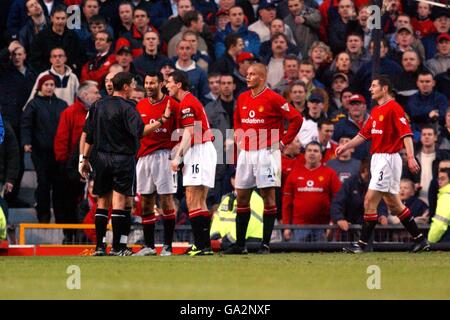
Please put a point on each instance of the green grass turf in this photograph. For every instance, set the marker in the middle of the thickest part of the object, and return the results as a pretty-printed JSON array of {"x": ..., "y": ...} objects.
[{"x": 275, "y": 276}]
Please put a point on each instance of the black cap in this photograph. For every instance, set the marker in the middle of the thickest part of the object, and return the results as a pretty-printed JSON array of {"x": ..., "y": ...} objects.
[
  {"x": 123, "y": 49},
  {"x": 316, "y": 97}
]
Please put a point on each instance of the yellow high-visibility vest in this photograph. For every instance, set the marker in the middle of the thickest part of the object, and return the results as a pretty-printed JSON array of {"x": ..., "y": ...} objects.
[
  {"x": 224, "y": 220},
  {"x": 441, "y": 219}
]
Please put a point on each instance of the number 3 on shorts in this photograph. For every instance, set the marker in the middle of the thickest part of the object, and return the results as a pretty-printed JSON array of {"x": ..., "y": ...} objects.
[{"x": 380, "y": 178}]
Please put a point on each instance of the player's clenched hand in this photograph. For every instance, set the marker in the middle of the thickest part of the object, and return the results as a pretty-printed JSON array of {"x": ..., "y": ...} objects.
[{"x": 413, "y": 165}]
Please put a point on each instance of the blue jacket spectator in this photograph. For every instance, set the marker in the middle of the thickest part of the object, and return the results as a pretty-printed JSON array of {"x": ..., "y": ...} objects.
[
  {"x": 15, "y": 85},
  {"x": 160, "y": 13},
  {"x": 420, "y": 105},
  {"x": 251, "y": 40},
  {"x": 18, "y": 17},
  {"x": 348, "y": 204},
  {"x": 346, "y": 127}
]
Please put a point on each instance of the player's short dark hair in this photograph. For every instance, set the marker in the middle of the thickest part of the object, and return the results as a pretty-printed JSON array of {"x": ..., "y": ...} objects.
[
  {"x": 384, "y": 81},
  {"x": 181, "y": 77},
  {"x": 231, "y": 40},
  {"x": 126, "y": 3},
  {"x": 121, "y": 79},
  {"x": 156, "y": 74},
  {"x": 189, "y": 17},
  {"x": 58, "y": 8},
  {"x": 324, "y": 122},
  {"x": 430, "y": 127}
]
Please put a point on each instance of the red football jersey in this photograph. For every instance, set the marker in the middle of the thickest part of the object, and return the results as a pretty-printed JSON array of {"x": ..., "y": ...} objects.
[
  {"x": 258, "y": 115},
  {"x": 161, "y": 137},
  {"x": 307, "y": 195},
  {"x": 191, "y": 113},
  {"x": 386, "y": 127},
  {"x": 288, "y": 165}
]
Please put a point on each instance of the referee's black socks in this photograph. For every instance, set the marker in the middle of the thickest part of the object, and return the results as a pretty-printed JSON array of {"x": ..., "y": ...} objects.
[
  {"x": 101, "y": 222},
  {"x": 121, "y": 224}
]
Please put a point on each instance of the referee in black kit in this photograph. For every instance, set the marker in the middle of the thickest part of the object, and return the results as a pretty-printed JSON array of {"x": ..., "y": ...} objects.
[{"x": 115, "y": 128}]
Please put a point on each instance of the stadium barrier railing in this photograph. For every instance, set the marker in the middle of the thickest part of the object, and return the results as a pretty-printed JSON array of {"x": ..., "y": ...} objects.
[{"x": 386, "y": 238}]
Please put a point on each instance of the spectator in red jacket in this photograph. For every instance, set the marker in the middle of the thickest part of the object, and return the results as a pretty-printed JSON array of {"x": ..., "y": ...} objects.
[
  {"x": 97, "y": 68},
  {"x": 66, "y": 149},
  {"x": 307, "y": 196}
]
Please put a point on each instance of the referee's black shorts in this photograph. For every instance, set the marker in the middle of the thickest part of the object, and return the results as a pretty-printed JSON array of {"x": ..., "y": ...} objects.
[{"x": 114, "y": 172}]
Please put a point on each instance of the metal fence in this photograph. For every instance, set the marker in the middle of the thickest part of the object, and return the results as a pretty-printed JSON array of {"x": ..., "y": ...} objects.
[{"x": 313, "y": 237}]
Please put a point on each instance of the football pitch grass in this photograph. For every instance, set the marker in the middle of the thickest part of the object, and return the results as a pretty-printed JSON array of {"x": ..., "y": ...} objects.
[{"x": 255, "y": 277}]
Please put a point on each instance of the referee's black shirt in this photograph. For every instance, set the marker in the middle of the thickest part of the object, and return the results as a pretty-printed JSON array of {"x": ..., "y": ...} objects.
[{"x": 114, "y": 126}]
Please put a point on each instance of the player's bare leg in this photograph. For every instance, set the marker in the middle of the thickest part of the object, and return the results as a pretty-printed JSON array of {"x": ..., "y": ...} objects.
[
  {"x": 121, "y": 221},
  {"x": 101, "y": 223},
  {"x": 371, "y": 201},
  {"x": 199, "y": 217},
  {"x": 396, "y": 207},
  {"x": 168, "y": 216},
  {"x": 148, "y": 225}
]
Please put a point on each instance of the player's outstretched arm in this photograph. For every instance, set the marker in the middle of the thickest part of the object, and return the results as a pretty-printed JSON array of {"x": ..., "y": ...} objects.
[
  {"x": 356, "y": 141},
  {"x": 409, "y": 146}
]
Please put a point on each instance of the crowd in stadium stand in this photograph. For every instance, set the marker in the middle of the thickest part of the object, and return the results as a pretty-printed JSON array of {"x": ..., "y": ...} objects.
[{"x": 319, "y": 57}]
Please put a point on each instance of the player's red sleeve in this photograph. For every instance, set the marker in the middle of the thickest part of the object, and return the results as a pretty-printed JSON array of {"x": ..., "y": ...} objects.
[
  {"x": 288, "y": 199},
  {"x": 187, "y": 117},
  {"x": 62, "y": 138},
  {"x": 294, "y": 117},
  {"x": 401, "y": 122},
  {"x": 366, "y": 131}
]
